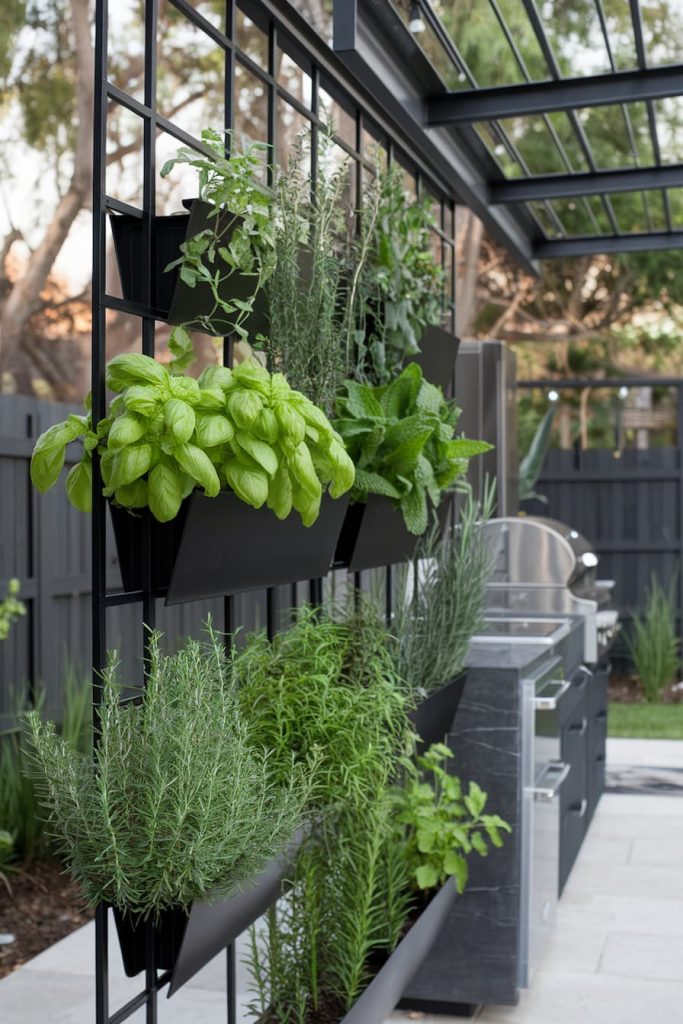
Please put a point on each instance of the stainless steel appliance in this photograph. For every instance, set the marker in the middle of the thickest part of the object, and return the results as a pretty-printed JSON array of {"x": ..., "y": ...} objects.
[
  {"x": 485, "y": 391},
  {"x": 543, "y": 567}
]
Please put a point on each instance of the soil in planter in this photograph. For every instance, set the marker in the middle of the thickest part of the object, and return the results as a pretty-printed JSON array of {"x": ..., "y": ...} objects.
[
  {"x": 44, "y": 907},
  {"x": 627, "y": 689}
]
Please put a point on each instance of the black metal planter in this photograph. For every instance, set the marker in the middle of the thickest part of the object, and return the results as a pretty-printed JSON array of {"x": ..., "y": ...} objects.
[
  {"x": 375, "y": 534},
  {"x": 184, "y": 943},
  {"x": 437, "y": 355},
  {"x": 388, "y": 985},
  {"x": 171, "y": 298},
  {"x": 433, "y": 718},
  {"x": 219, "y": 546}
]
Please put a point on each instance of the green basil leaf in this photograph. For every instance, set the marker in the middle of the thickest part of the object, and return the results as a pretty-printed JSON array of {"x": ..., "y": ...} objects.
[
  {"x": 180, "y": 419},
  {"x": 165, "y": 492},
  {"x": 213, "y": 429},
  {"x": 343, "y": 470},
  {"x": 259, "y": 451},
  {"x": 306, "y": 505},
  {"x": 79, "y": 485},
  {"x": 198, "y": 465},
  {"x": 132, "y": 495},
  {"x": 182, "y": 350},
  {"x": 185, "y": 388},
  {"x": 131, "y": 368},
  {"x": 216, "y": 377},
  {"x": 302, "y": 469},
  {"x": 280, "y": 493},
  {"x": 266, "y": 427},
  {"x": 211, "y": 399},
  {"x": 250, "y": 485},
  {"x": 126, "y": 429},
  {"x": 244, "y": 407},
  {"x": 49, "y": 453},
  {"x": 292, "y": 423},
  {"x": 129, "y": 464},
  {"x": 144, "y": 399},
  {"x": 251, "y": 374}
]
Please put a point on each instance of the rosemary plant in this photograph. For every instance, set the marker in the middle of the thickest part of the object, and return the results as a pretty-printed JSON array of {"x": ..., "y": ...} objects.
[
  {"x": 444, "y": 607},
  {"x": 177, "y": 804}
]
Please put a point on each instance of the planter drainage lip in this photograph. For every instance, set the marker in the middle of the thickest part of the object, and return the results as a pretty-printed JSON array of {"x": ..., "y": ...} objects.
[
  {"x": 386, "y": 988},
  {"x": 437, "y": 356},
  {"x": 433, "y": 718},
  {"x": 219, "y": 546},
  {"x": 187, "y": 942},
  {"x": 374, "y": 534}
]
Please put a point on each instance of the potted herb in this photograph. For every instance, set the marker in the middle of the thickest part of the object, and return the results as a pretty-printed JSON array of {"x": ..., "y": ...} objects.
[
  {"x": 258, "y": 451},
  {"x": 208, "y": 265},
  {"x": 178, "y": 811},
  {"x": 441, "y": 607},
  {"x": 401, "y": 439}
]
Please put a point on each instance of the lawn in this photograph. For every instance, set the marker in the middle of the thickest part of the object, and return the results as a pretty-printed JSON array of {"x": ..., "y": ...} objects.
[{"x": 648, "y": 721}]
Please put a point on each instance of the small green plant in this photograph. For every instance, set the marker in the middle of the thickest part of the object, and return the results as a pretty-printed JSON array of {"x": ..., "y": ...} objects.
[
  {"x": 400, "y": 286},
  {"x": 531, "y": 465},
  {"x": 11, "y": 608},
  {"x": 401, "y": 439},
  {"x": 178, "y": 804},
  {"x": 444, "y": 606},
  {"x": 653, "y": 643},
  {"x": 440, "y": 823},
  {"x": 167, "y": 434},
  {"x": 239, "y": 240}
]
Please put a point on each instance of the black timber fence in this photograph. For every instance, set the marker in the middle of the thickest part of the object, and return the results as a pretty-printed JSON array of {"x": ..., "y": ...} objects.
[
  {"x": 45, "y": 543},
  {"x": 628, "y": 502}
]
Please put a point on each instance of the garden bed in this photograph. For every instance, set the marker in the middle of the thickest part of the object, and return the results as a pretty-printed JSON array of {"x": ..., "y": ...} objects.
[{"x": 45, "y": 906}]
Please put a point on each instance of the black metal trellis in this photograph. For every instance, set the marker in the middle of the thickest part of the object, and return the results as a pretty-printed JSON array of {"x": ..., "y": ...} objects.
[{"x": 285, "y": 31}]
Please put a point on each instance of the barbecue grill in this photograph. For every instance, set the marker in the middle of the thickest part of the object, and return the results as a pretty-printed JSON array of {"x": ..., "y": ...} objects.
[{"x": 543, "y": 567}]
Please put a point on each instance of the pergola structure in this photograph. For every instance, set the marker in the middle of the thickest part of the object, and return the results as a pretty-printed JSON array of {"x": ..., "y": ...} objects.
[{"x": 478, "y": 133}]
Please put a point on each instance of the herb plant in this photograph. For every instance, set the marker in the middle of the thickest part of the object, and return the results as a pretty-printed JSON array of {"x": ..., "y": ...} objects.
[
  {"x": 401, "y": 439},
  {"x": 400, "y": 286},
  {"x": 11, "y": 608},
  {"x": 444, "y": 606},
  {"x": 167, "y": 434},
  {"x": 238, "y": 240},
  {"x": 653, "y": 642},
  {"x": 440, "y": 823},
  {"x": 179, "y": 804}
]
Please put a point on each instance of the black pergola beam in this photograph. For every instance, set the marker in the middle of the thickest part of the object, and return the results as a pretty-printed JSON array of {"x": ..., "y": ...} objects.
[
  {"x": 572, "y": 186},
  {"x": 564, "y": 94},
  {"x": 562, "y": 248}
]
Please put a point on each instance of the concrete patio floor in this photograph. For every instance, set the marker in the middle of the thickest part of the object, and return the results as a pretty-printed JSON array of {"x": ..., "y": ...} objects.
[{"x": 616, "y": 956}]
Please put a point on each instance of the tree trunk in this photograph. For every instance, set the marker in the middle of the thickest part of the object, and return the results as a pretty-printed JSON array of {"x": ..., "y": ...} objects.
[
  {"x": 469, "y": 232},
  {"x": 24, "y": 297}
]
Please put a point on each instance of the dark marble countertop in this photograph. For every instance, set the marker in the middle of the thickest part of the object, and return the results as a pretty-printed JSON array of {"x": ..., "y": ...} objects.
[{"x": 527, "y": 657}]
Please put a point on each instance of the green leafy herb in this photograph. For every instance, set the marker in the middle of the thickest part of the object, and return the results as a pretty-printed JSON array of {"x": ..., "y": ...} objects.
[
  {"x": 244, "y": 428},
  {"x": 440, "y": 823},
  {"x": 401, "y": 439}
]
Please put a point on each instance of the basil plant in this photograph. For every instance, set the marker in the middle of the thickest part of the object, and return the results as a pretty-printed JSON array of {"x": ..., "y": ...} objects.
[{"x": 244, "y": 429}]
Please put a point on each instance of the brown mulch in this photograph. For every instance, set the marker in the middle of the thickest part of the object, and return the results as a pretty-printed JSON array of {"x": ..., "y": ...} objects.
[
  {"x": 626, "y": 689},
  {"x": 44, "y": 907}
]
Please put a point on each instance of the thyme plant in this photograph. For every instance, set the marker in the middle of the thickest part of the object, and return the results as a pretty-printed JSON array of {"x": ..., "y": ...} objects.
[
  {"x": 444, "y": 605},
  {"x": 178, "y": 803}
]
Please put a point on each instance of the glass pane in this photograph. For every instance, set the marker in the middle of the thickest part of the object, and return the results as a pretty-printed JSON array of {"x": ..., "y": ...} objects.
[
  {"x": 597, "y": 205},
  {"x": 669, "y": 114},
  {"x": 569, "y": 140},
  {"x": 620, "y": 33},
  {"x": 212, "y": 10},
  {"x": 126, "y": 47},
  {"x": 655, "y": 203},
  {"x": 492, "y": 137},
  {"x": 574, "y": 217},
  {"x": 540, "y": 212},
  {"x": 124, "y": 155},
  {"x": 663, "y": 31},
  {"x": 675, "y": 196},
  {"x": 481, "y": 40},
  {"x": 180, "y": 184},
  {"x": 292, "y": 128},
  {"x": 251, "y": 109},
  {"x": 575, "y": 35},
  {"x": 250, "y": 39},
  {"x": 607, "y": 132},
  {"x": 293, "y": 78},
  {"x": 191, "y": 76},
  {"x": 630, "y": 211},
  {"x": 338, "y": 118},
  {"x": 535, "y": 144}
]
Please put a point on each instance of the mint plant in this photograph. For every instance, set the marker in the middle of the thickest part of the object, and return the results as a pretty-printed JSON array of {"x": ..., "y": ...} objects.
[
  {"x": 244, "y": 429},
  {"x": 240, "y": 238},
  {"x": 439, "y": 823},
  {"x": 401, "y": 439}
]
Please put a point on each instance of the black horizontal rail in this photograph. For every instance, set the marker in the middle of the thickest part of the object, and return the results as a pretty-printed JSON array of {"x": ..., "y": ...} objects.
[
  {"x": 593, "y": 245},
  {"x": 617, "y": 382},
  {"x": 569, "y": 186}
]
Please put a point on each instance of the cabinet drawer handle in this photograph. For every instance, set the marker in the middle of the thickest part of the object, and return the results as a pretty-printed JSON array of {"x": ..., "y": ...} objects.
[
  {"x": 579, "y": 727},
  {"x": 550, "y": 703},
  {"x": 580, "y": 809},
  {"x": 599, "y": 758},
  {"x": 602, "y": 715}
]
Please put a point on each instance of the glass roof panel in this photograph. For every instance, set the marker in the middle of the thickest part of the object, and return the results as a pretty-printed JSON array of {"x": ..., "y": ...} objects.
[
  {"x": 600, "y": 213},
  {"x": 540, "y": 212},
  {"x": 492, "y": 137},
  {"x": 662, "y": 22},
  {"x": 669, "y": 114},
  {"x": 630, "y": 212},
  {"x": 477, "y": 32},
  {"x": 574, "y": 216},
  {"x": 574, "y": 32},
  {"x": 566, "y": 133},
  {"x": 675, "y": 196},
  {"x": 525, "y": 38},
  {"x": 618, "y": 136},
  {"x": 535, "y": 144},
  {"x": 657, "y": 213},
  {"x": 620, "y": 33}
]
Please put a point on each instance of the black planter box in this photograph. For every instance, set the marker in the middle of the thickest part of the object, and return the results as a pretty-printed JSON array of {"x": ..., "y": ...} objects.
[
  {"x": 171, "y": 299},
  {"x": 433, "y": 718},
  {"x": 374, "y": 534},
  {"x": 388, "y": 985},
  {"x": 437, "y": 355},
  {"x": 184, "y": 943},
  {"x": 218, "y": 546}
]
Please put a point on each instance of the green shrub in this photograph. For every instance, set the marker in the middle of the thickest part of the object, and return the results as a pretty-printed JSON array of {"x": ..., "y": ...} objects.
[
  {"x": 177, "y": 804},
  {"x": 654, "y": 644},
  {"x": 11, "y": 608},
  {"x": 401, "y": 440}
]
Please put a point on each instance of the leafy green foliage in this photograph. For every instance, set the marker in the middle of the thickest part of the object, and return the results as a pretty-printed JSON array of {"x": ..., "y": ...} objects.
[
  {"x": 439, "y": 823},
  {"x": 329, "y": 685},
  {"x": 178, "y": 804},
  {"x": 167, "y": 434},
  {"x": 11, "y": 608},
  {"x": 19, "y": 811},
  {"x": 240, "y": 239},
  {"x": 401, "y": 439},
  {"x": 444, "y": 607},
  {"x": 400, "y": 285},
  {"x": 653, "y": 641},
  {"x": 532, "y": 463}
]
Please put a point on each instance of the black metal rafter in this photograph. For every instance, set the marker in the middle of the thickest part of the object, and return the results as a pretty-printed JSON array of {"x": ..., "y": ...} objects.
[
  {"x": 562, "y": 94},
  {"x": 656, "y": 241},
  {"x": 571, "y": 186}
]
